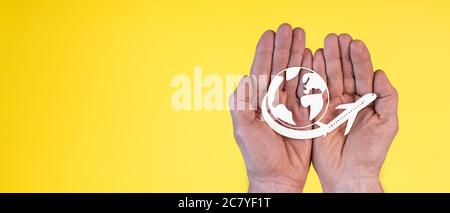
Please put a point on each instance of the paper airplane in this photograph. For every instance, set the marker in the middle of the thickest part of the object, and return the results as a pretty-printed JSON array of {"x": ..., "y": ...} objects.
[{"x": 349, "y": 113}]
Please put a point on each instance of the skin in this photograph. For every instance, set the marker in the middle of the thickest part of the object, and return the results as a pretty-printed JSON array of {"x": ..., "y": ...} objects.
[
  {"x": 352, "y": 163},
  {"x": 344, "y": 163}
]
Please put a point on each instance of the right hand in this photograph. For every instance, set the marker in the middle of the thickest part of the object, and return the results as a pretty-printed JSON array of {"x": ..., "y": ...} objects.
[{"x": 274, "y": 163}]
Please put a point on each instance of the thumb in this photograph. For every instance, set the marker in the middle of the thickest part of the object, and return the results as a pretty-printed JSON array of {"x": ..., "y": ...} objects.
[
  {"x": 387, "y": 101},
  {"x": 240, "y": 101}
]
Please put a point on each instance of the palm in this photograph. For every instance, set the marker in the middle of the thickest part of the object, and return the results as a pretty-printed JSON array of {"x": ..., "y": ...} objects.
[{"x": 274, "y": 155}]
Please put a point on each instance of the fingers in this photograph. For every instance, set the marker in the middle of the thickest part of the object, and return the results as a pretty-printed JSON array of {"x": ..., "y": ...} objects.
[
  {"x": 295, "y": 60},
  {"x": 303, "y": 113},
  {"x": 320, "y": 67},
  {"x": 307, "y": 62},
  {"x": 241, "y": 101},
  {"x": 346, "y": 63},
  {"x": 261, "y": 66},
  {"x": 333, "y": 65},
  {"x": 319, "y": 64},
  {"x": 387, "y": 100},
  {"x": 282, "y": 49},
  {"x": 362, "y": 67}
]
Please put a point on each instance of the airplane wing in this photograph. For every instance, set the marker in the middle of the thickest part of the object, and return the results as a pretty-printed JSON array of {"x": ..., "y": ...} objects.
[
  {"x": 344, "y": 106},
  {"x": 350, "y": 120}
]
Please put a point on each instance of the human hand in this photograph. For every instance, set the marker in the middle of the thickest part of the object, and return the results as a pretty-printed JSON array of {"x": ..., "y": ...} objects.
[
  {"x": 274, "y": 163},
  {"x": 352, "y": 163}
]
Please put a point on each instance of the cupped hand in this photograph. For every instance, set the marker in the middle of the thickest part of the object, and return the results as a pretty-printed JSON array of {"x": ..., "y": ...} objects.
[
  {"x": 352, "y": 163},
  {"x": 274, "y": 163}
]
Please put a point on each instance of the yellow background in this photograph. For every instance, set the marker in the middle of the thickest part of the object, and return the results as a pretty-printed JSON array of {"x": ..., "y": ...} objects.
[{"x": 85, "y": 89}]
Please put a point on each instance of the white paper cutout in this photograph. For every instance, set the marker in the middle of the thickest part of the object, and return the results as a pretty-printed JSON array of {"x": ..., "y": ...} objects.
[{"x": 311, "y": 80}]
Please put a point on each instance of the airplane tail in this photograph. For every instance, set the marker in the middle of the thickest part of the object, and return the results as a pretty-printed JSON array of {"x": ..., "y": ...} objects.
[{"x": 322, "y": 125}]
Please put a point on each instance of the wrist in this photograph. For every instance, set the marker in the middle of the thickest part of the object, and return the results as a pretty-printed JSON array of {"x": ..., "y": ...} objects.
[
  {"x": 274, "y": 186},
  {"x": 358, "y": 181},
  {"x": 372, "y": 185}
]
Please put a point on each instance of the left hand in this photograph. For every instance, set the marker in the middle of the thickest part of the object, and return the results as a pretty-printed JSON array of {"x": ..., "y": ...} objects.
[{"x": 352, "y": 163}]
